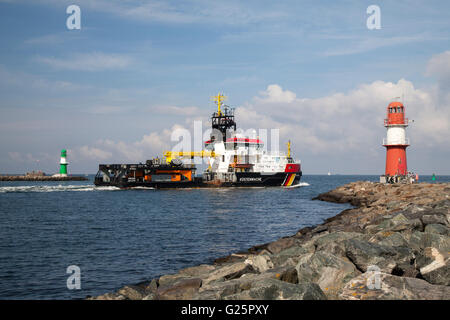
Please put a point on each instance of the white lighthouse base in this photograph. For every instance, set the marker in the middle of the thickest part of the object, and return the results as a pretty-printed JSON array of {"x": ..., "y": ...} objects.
[
  {"x": 409, "y": 178},
  {"x": 59, "y": 175}
]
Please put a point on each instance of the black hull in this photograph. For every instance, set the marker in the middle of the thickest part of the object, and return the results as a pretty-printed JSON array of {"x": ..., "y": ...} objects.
[{"x": 244, "y": 179}]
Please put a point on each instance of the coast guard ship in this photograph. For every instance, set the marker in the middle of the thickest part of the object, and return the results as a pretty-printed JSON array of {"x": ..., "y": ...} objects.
[{"x": 234, "y": 161}]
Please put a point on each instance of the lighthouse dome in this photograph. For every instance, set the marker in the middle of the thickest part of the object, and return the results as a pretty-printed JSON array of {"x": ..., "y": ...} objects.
[
  {"x": 398, "y": 105},
  {"x": 395, "y": 114}
]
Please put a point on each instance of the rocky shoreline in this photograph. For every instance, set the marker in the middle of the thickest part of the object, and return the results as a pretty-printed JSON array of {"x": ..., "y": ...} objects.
[
  {"x": 395, "y": 244},
  {"x": 42, "y": 178}
]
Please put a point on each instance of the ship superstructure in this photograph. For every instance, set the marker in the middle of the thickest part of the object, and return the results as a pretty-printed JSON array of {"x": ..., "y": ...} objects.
[{"x": 234, "y": 160}]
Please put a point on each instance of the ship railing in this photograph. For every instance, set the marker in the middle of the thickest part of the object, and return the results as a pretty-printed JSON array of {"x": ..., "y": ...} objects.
[
  {"x": 275, "y": 153},
  {"x": 226, "y": 111}
]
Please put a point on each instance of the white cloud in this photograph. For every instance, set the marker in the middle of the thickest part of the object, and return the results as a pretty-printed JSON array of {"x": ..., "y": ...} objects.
[
  {"x": 95, "y": 61},
  {"x": 149, "y": 146},
  {"x": 178, "y": 111},
  {"x": 274, "y": 93},
  {"x": 365, "y": 44},
  {"x": 31, "y": 159},
  {"x": 16, "y": 156},
  {"x": 46, "y": 39},
  {"x": 53, "y": 39},
  {"x": 339, "y": 127},
  {"x": 439, "y": 65},
  {"x": 182, "y": 12},
  {"x": 108, "y": 110},
  {"x": 347, "y": 122},
  {"x": 25, "y": 80},
  {"x": 93, "y": 153}
]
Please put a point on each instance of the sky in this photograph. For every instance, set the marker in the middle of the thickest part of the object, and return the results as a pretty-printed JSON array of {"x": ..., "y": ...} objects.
[{"x": 117, "y": 89}]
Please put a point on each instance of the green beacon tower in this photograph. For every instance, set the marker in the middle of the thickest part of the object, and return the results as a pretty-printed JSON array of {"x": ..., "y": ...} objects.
[{"x": 63, "y": 164}]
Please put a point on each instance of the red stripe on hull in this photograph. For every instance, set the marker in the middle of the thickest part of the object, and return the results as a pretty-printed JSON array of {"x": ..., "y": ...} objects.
[
  {"x": 292, "y": 167},
  {"x": 288, "y": 177}
]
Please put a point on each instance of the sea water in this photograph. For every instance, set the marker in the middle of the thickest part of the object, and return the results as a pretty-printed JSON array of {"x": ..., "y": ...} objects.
[{"x": 120, "y": 237}]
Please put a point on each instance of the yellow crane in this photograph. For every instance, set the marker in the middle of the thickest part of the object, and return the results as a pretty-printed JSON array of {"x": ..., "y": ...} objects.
[
  {"x": 202, "y": 154},
  {"x": 187, "y": 154},
  {"x": 219, "y": 100}
]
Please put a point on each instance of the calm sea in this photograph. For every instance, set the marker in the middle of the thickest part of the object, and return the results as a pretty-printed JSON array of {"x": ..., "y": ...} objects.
[{"x": 119, "y": 237}]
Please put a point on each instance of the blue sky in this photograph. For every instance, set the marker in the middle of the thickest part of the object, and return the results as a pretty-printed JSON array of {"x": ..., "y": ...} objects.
[{"x": 114, "y": 90}]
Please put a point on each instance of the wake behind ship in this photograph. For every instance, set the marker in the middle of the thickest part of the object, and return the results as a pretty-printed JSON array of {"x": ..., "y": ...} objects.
[{"x": 234, "y": 161}]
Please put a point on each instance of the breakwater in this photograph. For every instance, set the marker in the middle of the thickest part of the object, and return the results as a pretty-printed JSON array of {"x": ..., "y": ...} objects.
[
  {"x": 42, "y": 178},
  {"x": 394, "y": 244}
]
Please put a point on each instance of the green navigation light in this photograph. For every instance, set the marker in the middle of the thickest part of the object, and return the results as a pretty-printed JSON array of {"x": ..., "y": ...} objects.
[{"x": 63, "y": 163}]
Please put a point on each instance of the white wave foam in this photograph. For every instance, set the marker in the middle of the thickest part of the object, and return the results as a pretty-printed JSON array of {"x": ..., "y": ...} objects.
[
  {"x": 79, "y": 188},
  {"x": 143, "y": 188},
  {"x": 301, "y": 184},
  {"x": 56, "y": 188}
]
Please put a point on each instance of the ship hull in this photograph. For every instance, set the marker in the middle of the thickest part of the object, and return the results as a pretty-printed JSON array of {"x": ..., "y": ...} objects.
[{"x": 244, "y": 179}]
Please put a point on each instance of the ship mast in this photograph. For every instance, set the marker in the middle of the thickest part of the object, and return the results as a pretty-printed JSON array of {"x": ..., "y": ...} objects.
[
  {"x": 289, "y": 148},
  {"x": 222, "y": 120},
  {"x": 219, "y": 99}
]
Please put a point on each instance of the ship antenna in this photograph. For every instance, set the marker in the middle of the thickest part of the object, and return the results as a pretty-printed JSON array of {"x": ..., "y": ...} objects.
[
  {"x": 289, "y": 148},
  {"x": 219, "y": 99}
]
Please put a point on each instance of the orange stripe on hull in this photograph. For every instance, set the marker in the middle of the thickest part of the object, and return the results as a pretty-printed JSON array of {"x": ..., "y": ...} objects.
[{"x": 289, "y": 180}]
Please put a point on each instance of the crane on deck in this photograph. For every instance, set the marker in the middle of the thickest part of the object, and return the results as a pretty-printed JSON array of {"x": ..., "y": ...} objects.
[{"x": 188, "y": 154}]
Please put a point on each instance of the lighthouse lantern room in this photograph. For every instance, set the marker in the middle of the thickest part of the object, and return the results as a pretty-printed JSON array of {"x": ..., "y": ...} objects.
[{"x": 396, "y": 144}]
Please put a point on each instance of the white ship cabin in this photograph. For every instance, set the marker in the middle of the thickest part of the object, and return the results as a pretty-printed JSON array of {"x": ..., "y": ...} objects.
[{"x": 243, "y": 154}]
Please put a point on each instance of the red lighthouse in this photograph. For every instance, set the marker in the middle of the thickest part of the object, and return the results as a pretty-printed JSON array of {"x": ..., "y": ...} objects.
[{"x": 396, "y": 142}]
